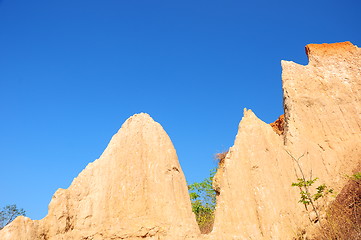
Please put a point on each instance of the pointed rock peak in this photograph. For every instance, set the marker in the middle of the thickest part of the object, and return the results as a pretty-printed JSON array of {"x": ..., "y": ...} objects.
[
  {"x": 140, "y": 118},
  {"x": 249, "y": 117},
  {"x": 141, "y": 123},
  {"x": 250, "y": 122},
  {"x": 247, "y": 112}
]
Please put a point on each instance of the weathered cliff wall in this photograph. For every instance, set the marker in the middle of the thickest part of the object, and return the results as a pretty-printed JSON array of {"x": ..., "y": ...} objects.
[
  {"x": 322, "y": 104},
  {"x": 136, "y": 190},
  {"x": 322, "y": 124}
]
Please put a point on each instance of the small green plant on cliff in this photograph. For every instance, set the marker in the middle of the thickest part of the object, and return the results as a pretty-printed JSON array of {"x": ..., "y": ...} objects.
[
  {"x": 306, "y": 196},
  {"x": 355, "y": 177}
]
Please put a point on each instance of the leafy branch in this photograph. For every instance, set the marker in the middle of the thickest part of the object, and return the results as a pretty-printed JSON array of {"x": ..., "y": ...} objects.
[
  {"x": 306, "y": 197},
  {"x": 9, "y": 213}
]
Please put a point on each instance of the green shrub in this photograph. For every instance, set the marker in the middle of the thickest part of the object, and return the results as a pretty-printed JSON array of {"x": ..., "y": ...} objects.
[{"x": 203, "y": 199}]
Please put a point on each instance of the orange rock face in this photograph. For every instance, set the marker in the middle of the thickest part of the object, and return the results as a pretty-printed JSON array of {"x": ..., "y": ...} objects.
[
  {"x": 278, "y": 125},
  {"x": 319, "y": 52}
]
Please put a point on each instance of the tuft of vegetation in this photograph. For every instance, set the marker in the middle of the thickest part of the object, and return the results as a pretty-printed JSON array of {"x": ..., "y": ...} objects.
[
  {"x": 203, "y": 198},
  {"x": 9, "y": 213},
  {"x": 356, "y": 177},
  {"x": 220, "y": 157},
  {"x": 306, "y": 198}
]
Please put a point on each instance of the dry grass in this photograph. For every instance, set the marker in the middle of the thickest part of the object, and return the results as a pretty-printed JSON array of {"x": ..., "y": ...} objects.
[
  {"x": 343, "y": 220},
  {"x": 206, "y": 226},
  {"x": 220, "y": 157}
]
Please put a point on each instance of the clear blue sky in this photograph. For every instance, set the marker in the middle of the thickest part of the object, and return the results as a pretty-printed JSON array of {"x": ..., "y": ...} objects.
[{"x": 72, "y": 71}]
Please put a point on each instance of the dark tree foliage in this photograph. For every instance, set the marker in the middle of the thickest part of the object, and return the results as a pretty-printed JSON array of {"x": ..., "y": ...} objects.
[{"x": 9, "y": 213}]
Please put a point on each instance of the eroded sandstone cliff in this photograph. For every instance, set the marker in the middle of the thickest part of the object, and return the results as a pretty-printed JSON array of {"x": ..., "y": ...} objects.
[
  {"x": 321, "y": 128},
  {"x": 136, "y": 190}
]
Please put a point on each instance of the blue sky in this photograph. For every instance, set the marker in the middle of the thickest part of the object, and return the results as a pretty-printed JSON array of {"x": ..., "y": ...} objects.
[{"x": 72, "y": 71}]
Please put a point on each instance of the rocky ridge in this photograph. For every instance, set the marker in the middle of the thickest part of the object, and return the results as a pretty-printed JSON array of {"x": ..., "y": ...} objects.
[
  {"x": 137, "y": 190},
  {"x": 322, "y": 128}
]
